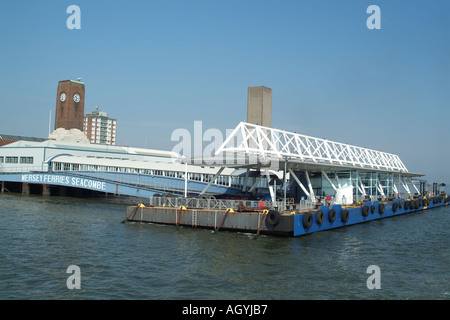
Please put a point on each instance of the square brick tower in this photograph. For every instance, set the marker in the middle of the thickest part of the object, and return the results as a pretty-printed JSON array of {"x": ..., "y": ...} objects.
[{"x": 70, "y": 105}]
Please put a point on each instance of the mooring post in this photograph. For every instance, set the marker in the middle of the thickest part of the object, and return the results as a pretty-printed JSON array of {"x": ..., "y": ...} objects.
[
  {"x": 45, "y": 190},
  {"x": 25, "y": 188}
]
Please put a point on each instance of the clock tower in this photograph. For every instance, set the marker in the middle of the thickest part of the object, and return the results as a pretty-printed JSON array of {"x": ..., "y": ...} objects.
[{"x": 70, "y": 105}]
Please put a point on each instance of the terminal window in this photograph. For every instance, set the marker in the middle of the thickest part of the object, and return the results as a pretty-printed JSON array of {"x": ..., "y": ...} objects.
[
  {"x": 26, "y": 159},
  {"x": 12, "y": 160}
]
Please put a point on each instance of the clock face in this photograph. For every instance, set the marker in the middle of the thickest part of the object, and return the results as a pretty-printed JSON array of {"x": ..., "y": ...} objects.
[
  {"x": 62, "y": 97},
  {"x": 76, "y": 97}
]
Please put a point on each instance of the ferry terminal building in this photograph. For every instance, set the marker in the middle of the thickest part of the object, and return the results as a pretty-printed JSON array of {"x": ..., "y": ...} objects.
[{"x": 270, "y": 164}]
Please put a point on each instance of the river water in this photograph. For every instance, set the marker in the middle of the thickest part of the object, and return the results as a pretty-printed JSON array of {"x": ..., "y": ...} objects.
[{"x": 40, "y": 237}]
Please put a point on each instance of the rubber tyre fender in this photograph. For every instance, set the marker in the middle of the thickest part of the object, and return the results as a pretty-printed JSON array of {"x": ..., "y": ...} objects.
[
  {"x": 345, "y": 215},
  {"x": 365, "y": 211},
  {"x": 307, "y": 220},
  {"x": 332, "y": 215},
  {"x": 418, "y": 204},
  {"x": 407, "y": 205},
  {"x": 273, "y": 218},
  {"x": 320, "y": 216},
  {"x": 372, "y": 209},
  {"x": 381, "y": 208},
  {"x": 394, "y": 207},
  {"x": 400, "y": 203}
]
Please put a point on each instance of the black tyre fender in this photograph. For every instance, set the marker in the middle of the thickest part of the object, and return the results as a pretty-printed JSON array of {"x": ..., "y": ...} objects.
[
  {"x": 400, "y": 204},
  {"x": 307, "y": 220},
  {"x": 345, "y": 215},
  {"x": 273, "y": 218},
  {"x": 320, "y": 216},
  {"x": 394, "y": 206},
  {"x": 332, "y": 215},
  {"x": 372, "y": 209},
  {"x": 381, "y": 208},
  {"x": 365, "y": 211},
  {"x": 407, "y": 205}
]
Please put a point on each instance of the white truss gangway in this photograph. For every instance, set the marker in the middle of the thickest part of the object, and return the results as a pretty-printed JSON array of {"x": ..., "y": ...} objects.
[{"x": 271, "y": 144}]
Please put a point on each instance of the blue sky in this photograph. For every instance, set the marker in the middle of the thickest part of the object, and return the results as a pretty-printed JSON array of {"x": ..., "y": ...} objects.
[{"x": 157, "y": 66}]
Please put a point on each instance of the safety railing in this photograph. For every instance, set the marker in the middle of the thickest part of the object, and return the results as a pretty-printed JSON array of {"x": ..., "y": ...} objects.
[{"x": 224, "y": 204}]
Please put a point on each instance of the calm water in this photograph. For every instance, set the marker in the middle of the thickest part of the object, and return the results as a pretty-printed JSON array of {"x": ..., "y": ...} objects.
[{"x": 40, "y": 237}]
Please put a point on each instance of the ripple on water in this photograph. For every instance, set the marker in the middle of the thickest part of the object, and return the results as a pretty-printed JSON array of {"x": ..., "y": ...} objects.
[{"x": 40, "y": 237}]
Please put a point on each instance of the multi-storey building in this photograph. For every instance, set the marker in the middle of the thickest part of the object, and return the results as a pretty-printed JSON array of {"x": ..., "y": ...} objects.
[{"x": 99, "y": 128}]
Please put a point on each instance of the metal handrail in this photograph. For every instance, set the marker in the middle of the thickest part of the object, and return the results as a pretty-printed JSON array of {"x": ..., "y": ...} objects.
[{"x": 220, "y": 204}]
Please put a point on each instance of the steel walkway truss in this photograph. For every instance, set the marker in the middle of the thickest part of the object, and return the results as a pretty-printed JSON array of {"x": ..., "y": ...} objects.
[{"x": 267, "y": 142}]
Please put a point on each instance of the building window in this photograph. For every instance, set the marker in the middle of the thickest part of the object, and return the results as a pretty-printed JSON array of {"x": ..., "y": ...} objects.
[
  {"x": 12, "y": 160},
  {"x": 2, "y": 159},
  {"x": 57, "y": 166},
  {"x": 28, "y": 160}
]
